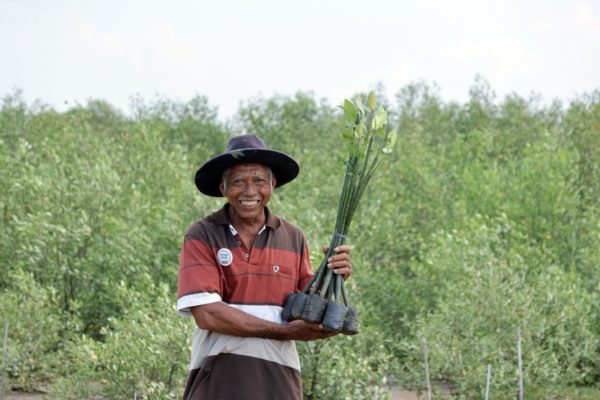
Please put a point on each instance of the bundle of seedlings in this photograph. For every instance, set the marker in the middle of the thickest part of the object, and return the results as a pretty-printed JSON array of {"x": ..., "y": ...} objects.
[{"x": 324, "y": 299}]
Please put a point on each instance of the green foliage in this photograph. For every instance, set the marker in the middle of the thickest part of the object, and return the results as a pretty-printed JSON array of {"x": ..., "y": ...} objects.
[
  {"x": 38, "y": 329},
  {"x": 192, "y": 125},
  {"x": 145, "y": 352},
  {"x": 581, "y": 130},
  {"x": 296, "y": 125},
  {"x": 85, "y": 205},
  {"x": 338, "y": 369},
  {"x": 484, "y": 218},
  {"x": 490, "y": 282},
  {"x": 561, "y": 392}
]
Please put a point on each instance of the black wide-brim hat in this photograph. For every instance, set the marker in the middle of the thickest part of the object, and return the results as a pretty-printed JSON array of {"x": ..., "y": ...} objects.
[{"x": 241, "y": 150}]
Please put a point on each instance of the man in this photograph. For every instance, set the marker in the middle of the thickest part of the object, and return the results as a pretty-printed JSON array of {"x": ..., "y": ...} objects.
[{"x": 237, "y": 267}]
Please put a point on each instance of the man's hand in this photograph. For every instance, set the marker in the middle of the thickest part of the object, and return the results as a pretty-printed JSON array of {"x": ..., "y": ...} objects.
[
  {"x": 302, "y": 330},
  {"x": 340, "y": 262}
]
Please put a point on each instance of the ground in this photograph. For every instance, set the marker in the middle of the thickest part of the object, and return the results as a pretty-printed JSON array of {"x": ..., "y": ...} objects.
[
  {"x": 397, "y": 394},
  {"x": 401, "y": 394},
  {"x": 23, "y": 396}
]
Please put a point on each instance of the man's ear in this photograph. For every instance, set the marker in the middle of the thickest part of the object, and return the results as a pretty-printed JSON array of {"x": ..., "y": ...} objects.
[
  {"x": 273, "y": 181},
  {"x": 222, "y": 189}
]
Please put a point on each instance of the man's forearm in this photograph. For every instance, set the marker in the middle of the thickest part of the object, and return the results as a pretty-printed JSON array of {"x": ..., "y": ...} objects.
[{"x": 221, "y": 318}]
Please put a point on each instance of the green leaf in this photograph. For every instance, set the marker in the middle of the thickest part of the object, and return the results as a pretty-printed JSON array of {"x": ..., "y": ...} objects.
[
  {"x": 350, "y": 111},
  {"x": 391, "y": 141},
  {"x": 359, "y": 103},
  {"x": 353, "y": 151},
  {"x": 380, "y": 119},
  {"x": 359, "y": 130},
  {"x": 371, "y": 101}
]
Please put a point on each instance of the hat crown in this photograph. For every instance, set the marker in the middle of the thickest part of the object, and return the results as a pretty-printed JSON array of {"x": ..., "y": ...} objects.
[{"x": 244, "y": 142}]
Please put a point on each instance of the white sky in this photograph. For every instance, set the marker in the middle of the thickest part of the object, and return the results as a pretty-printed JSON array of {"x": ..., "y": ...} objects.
[{"x": 231, "y": 50}]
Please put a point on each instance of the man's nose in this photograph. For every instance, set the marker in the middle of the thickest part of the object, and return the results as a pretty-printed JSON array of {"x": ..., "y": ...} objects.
[{"x": 250, "y": 188}]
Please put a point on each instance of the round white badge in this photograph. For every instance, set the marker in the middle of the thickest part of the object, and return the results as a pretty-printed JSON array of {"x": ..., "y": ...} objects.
[{"x": 225, "y": 257}]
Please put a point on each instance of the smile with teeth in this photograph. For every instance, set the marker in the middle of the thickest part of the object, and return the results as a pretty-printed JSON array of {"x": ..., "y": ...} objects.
[{"x": 249, "y": 202}]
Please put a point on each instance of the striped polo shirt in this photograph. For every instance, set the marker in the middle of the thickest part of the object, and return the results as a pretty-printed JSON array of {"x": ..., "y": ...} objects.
[{"x": 215, "y": 266}]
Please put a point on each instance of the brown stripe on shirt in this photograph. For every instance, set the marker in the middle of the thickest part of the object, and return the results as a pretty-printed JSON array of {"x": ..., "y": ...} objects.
[
  {"x": 237, "y": 377},
  {"x": 277, "y": 264}
]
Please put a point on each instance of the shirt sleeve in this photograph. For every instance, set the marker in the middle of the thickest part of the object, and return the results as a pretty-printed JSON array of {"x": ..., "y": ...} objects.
[
  {"x": 305, "y": 273},
  {"x": 200, "y": 279}
]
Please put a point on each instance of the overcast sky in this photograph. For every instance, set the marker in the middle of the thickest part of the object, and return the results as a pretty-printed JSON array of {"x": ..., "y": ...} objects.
[{"x": 231, "y": 50}]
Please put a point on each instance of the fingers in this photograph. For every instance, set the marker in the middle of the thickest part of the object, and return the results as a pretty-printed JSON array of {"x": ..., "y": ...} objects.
[
  {"x": 308, "y": 331},
  {"x": 344, "y": 272},
  {"x": 340, "y": 261},
  {"x": 300, "y": 323},
  {"x": 344, "y": 248},
  {"x": 327, "y": 335},
  {"x": 337, "y": 263}
]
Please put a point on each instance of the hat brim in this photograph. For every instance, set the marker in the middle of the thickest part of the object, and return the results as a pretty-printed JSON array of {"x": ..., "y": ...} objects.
[{"x": 209, "y": 176}]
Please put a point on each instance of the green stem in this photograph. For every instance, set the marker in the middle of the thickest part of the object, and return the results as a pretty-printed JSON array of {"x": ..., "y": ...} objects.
[
  {"x": 321, "y": 279},
  {"x": 316, "y": 279},
  {"x": 343, "y": 200},
  {"x": 366, "y": 163},
  {"x": 344, "y": 295},
  {"x": 350, "y": 202},
  {"x": 362, "y": 185},
  {"x": 329, "y": 292},
  {"x": 325, "y": 287},
  {"x": 368, "y": 177},
  {"x": 345, "y": 196}
]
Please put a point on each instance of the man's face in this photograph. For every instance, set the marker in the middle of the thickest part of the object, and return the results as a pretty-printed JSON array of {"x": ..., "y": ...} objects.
[{"x": 248, "y": 190}]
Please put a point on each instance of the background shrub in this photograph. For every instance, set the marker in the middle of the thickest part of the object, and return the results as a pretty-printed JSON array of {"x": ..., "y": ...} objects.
[{"x": 484, "y": 219}]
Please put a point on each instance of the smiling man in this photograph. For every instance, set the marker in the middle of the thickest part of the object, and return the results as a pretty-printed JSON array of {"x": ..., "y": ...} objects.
[{"x": 237, "y": 267}]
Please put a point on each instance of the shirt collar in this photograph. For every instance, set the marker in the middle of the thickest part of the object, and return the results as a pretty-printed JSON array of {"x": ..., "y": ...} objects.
[{"x": 235, "y": 232}]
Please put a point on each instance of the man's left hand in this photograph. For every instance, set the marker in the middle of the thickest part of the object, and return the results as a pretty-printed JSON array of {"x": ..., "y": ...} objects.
[{"x": 340, "y": 261}]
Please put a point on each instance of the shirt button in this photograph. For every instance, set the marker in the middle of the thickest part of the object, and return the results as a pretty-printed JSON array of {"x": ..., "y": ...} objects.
[
  {"x": 247, "y": 255},
  {"x": 275, "y": 268}
]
